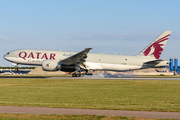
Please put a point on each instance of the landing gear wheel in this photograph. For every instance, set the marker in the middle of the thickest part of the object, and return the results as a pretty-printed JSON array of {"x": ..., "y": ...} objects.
[
  {"x": 74, "y": 75},
  {"x": 78, "y": 75},
  {"x": 16, "y": 69}
]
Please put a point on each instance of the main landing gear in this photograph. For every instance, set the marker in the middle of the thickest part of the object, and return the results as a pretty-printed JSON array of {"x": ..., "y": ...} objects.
[
  {"x": 76, "y": 74},
  {"x": 79, "y": 74}
]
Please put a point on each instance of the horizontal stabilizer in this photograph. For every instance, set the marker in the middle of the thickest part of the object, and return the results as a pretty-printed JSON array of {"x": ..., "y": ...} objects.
[{"x": 154, "y": 61}]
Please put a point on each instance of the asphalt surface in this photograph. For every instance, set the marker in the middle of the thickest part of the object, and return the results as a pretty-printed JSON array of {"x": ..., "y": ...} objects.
[
  {"x": 93, "y": 77},
  {"x": 90, "y": 77},
  {"x": 40, "y": 110},
  {"x": 113, "y": 78}
]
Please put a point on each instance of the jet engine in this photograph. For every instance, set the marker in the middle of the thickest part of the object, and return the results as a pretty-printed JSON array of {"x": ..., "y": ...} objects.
[{"x": 51, "y": 65}]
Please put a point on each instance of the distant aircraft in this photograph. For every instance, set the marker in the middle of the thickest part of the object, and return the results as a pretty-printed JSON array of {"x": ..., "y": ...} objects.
[{"x": 85, "y": 61}]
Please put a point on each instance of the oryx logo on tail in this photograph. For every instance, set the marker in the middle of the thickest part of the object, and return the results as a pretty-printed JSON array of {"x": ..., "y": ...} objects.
[{"x": 155, "y": 48}]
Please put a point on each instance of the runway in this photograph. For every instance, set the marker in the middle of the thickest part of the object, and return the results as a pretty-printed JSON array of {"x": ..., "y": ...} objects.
[
  {"x": 61, "y": 111},
  {"x": 115, "y": 78},
  {"x": 97, "y": 77}
]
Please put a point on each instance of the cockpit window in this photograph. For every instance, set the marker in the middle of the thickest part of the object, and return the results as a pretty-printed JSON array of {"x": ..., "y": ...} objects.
[{"x": 8, "y": 53}]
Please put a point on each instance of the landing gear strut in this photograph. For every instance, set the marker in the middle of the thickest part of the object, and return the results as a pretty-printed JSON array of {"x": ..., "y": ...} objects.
[{"x": 16, "y": 68}]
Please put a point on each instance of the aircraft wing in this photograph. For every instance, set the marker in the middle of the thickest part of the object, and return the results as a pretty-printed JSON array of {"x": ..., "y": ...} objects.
[
  {"x": 76, "y": 58},
  {"x": 154, "y": 61}
]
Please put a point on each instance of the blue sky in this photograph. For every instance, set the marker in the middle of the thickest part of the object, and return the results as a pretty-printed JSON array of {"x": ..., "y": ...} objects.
[{"x": 116, "y": 26}]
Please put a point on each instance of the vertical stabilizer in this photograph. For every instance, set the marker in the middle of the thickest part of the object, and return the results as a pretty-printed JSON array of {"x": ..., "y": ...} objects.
[{"x": 155, "y": 48}]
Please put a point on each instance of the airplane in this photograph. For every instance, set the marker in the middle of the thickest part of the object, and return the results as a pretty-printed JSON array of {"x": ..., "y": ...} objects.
[{"x": 85, "y": 61}]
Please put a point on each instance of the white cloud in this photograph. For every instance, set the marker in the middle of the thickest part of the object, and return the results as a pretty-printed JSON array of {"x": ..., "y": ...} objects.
[{"x": 4, "y": 38}]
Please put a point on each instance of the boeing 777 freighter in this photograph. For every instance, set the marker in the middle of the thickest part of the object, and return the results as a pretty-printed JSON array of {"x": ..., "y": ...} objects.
[{"x": 85, "y": 61}]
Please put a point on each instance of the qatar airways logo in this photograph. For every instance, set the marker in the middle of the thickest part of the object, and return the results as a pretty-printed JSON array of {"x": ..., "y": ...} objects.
[
  {"x": 38, "y": 55},
  {"x": 47, "y": 64},
  {"x": 156, "y": 48}
]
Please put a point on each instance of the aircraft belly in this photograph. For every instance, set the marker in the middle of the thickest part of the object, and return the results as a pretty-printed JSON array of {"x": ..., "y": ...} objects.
[
  {"x": 118, "y": 67},
  {"x": 110, "y": 67},
  {"x": 93, "y": 66}
]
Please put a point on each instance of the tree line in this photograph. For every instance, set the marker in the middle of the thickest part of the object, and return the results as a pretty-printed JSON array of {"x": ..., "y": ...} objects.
[{"x": 16, "y": 68}]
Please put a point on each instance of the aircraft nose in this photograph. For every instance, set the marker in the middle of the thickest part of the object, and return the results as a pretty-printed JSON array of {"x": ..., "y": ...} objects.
[{"x": 6, "y": 55}]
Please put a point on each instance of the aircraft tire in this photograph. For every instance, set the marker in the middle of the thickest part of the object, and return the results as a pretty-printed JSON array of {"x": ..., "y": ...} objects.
[
  {"x": 78, "y": 75},
  {"x": 74, "y": 75}
]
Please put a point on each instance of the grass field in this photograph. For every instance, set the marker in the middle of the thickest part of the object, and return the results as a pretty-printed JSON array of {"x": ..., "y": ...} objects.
[
  {"x": 145, "y": 95},
  {"x": 10, "y": 116}
]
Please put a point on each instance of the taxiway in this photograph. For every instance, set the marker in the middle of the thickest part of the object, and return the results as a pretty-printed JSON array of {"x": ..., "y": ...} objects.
[{"x": 68, "y": 111}]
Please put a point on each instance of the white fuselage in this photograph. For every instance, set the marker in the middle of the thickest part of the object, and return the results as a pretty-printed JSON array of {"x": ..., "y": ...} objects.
[{"x": 94, "y": 61}]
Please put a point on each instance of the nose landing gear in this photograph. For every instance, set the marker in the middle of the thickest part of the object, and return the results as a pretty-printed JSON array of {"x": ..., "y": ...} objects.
[{"x": 16, "y": 68}]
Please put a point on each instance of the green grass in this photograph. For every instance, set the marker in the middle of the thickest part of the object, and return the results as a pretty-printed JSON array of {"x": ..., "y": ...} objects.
[
  {"x": 144, "y": 95},
  {"x": 10, "y": 116}
]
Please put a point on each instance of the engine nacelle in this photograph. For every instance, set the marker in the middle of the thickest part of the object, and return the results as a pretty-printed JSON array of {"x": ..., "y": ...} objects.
[{"x": 51, "y": 65}]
